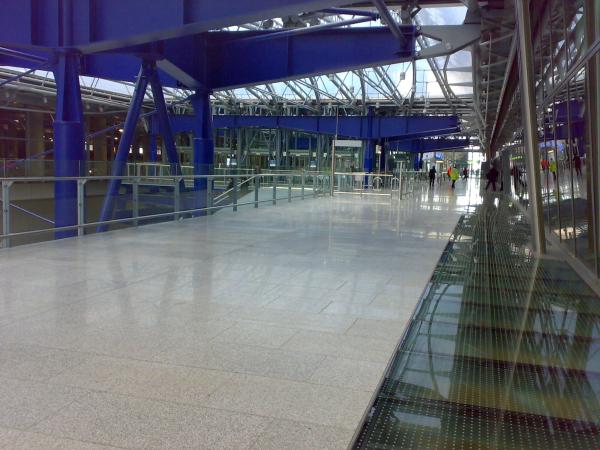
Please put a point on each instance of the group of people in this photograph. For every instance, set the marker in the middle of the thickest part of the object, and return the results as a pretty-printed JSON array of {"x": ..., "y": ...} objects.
[
  {"x": 452, "y": 172},
  {"x": 552, "y": 167}
]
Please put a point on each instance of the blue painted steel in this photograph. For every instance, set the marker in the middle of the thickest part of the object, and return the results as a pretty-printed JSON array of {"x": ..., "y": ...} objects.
[
  {"x": 164, "y": 122},
  {"x": 370, "y": 144},
  {"x": 382, "y": 162},
  {"x": 291, "y": 57},
  {"x": 203, "y": 143},
  {"x": 354, "y": 127},
  {"x": 124, "y": 145},
  {"x": 225, "y": 60},
  {"x": 427, "y": 145},
  {"x": 153, "y": 148},
  {"x": 369, "y": 155},
  {"x": 112, "y": 24},
  {"x": 23, "y": 56},
  {"x": 415, "y": 161},
  {"x": 351, "y": 12},
  {"x": 576, "y": 109},
  {"x": 288, "y": 33},
  {"x": 68, "y": 141}
]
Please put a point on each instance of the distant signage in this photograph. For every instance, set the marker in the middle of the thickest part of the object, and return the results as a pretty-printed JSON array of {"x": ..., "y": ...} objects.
[{"x": 347, "y": 142}]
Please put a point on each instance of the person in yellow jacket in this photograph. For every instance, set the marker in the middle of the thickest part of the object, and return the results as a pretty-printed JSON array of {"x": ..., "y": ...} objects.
[
  {"x": 553, "y": 168},
  {"x": 454, "y": 175}
]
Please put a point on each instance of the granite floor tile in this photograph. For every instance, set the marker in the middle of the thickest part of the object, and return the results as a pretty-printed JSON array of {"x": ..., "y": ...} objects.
[
  {"x": 143, "y": 379},
  {"x": 343, "y": 346},
  {"x": 256, "y": 335},
  {"x": 24, "y": 440},
  {"x": 349, "y": 373},
  {"x": 369, "y": 311},
  {"x": 289, "y": 435},
  {"x": 139, "y": 423},
  {"x": 298, "y": 304},
  {"x": 31, "y": 362},
  {"x": 263, "y": 327},
  {"x": 380, "y": 329},
  {"x": 24, "y": 403},
  {"x": 291, "y": 400}
]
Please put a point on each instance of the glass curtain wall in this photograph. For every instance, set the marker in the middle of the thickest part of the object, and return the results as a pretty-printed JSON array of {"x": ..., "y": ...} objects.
[{"x": 567, "y": 124}]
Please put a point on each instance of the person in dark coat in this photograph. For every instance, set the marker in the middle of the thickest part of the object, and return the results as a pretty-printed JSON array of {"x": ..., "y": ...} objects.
[
  {"x": 432, "y": 173},
  {"x": 492, "y": 177}
]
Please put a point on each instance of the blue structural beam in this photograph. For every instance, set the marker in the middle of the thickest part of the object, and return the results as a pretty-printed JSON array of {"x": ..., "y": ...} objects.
[
  {"x": 354, "y": 127},
  {"x": 230, "y": 59},
  {"x": 369, "y": 155},
  {"x": 125, "y": 143},
  {"x": 285, "y": 56},
  {"x": 427, "y": 145},
  {"x": 204, "y": 149},
  {"x": 110, "y": 24},
  {"x": 69, "y": 150}
]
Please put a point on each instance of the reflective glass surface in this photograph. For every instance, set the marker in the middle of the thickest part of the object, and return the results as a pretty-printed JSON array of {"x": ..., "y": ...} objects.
[{"x": 503, "y": 350}]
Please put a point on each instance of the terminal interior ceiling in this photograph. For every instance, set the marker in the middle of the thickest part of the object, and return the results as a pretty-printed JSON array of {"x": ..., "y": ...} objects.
[{"x": 369, "y": 224}]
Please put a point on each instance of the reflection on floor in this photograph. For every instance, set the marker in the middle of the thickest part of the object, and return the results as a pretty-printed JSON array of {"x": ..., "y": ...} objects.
[
  {"x": 502, "y": 351},
  {"x": 266, "y": 328}
]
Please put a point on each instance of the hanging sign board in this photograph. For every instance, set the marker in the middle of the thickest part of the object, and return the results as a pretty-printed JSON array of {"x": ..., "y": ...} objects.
[{"x": 347, "y": 143}]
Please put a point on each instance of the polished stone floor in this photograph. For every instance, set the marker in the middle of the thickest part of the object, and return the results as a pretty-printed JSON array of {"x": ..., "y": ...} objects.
[{"x": 265, "y": 328}]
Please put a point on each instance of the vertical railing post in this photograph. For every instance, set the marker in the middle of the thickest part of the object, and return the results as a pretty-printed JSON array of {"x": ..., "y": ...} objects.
[
  {"x": 6, "y": 211},
  {"x": 209, "y": 194},
  {"x": 274, "y": 189},
  {"x": 135, "y": 200},
  {"x": 256, "y": 189},
  {"x": 235, "y": 193},
  {"x": 289, "y": 188},
  {"x": 303, "y": 183},
  {"x": 176, "y": 198},
  {"x": 400, "y": 180},
  {"x": 314, "y": 186},
  {"x": 80, "y": 207}
]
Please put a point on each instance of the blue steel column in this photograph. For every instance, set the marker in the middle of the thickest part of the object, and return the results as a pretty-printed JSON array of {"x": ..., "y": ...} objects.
[
  {"x": 416, "y": 161},
  {"x": 126, "y": 140},
  {"x": 69, "y": 147},
  {"x": 204, "y": 149},
  {"x": 153, "y": 148},
  {"x": 164, "y": 122},
  {"x": 370, "y": 147}
]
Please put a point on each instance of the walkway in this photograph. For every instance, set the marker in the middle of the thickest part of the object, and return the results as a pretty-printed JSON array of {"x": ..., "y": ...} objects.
[
  {"x": 266, "y": 328},
  {"x": 502, "y": 351}
]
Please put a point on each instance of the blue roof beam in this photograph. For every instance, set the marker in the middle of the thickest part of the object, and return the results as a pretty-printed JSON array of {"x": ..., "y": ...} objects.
[
  {"x": 236, "y": 61},
  {"x": 427, "y": 145},
  {"x": 355, "y": 127},
  {"x": 97, "y": 26}
]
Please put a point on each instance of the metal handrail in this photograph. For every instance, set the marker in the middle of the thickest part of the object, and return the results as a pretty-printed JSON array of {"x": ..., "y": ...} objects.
[
  {"x": 31, "y": 213},
  {"x": 176, "y": 214},
  {"x": 119, "y": 177},
  {"x": 224, "y": 195}
]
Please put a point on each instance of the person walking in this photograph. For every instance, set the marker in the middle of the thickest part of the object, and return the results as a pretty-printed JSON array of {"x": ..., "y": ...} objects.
[
  {"x": 465, "y": 173},
  {"x": 432, "y": 173},
  {"x": 553, "y": 168},
  {"x": 492, "y": 177},
  {"x": 454, "y": 175},
  {"x": 577, "y": 164}
]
